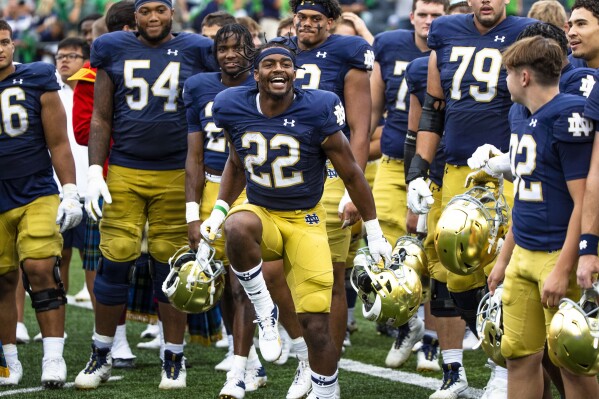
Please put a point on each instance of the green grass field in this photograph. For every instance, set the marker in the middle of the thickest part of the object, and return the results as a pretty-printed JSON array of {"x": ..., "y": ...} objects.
[{"x": 202, "y": 380}]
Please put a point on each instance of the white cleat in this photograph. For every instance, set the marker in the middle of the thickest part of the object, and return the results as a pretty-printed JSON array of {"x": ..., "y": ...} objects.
[
  {"x": 54, "y": 372},
  {"x": 151, "y": 331},
  {"x": 302, "y": 382},
  {"x": 22, "y": 334},
  {"x": 254, "y": 379},
  {"x": 454, "y": 384},
  {"x": 174, "y": 374},
  {"x": 470, "y": 341},
  {"x": 234, "y": 387},
  {"x": 496, "y": 387},
  {"x": 83, "y": 295},
  {"x": 268, "y": 335},
  {"x": 285, "y": 348},
  {"x": 428, "y": 355},
  {"x": 407, "y": 337},
  {"x": 16, "y": 374},
  {"x": 97, "y": 370},
  {"x": 154, "y": 344},
  {"x": 226, "y": 364},
  {"x": 346, "y": 340}
]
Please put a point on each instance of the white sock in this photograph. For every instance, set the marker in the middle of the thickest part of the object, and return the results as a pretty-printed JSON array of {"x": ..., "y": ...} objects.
[
  {"x": 175, "y": 348},
  {"x": 500, "y": 372},
  {"x": 350, "y": 315},
  {"x": 300, "y": 348},
  {"x": 121, "y": 333},
  {"x": 431, "y": 333},
  {"x": 53, "y": 346},
  {"x": 453, "y": 356},
  {"x": 10, "y": 353},
  {"x": 254, "y": 285},
  {"x": 230, "y": 339},
  {"x": 253, "y": 361},
  {"x": 325, "y": 388},
  {"x": 102, "y": 341},
  {"x": 239, "y": 363}
]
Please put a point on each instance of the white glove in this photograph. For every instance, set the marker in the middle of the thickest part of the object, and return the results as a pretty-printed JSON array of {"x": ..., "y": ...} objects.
[
  {"x": 481, "y": 156},
  {"x": 420, "y": 197},
  {"x": 96, "y": 188},
  {"x": 210, "y": 229},
  {"x": 378, "y": 245},
  {"x": 342, "y": 202},
  {"x": 69, "y": 211},
  {"x": 499, "y": 165}
]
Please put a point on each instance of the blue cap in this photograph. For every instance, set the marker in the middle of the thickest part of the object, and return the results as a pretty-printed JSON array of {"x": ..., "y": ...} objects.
[{"x": 139, "y": 3}]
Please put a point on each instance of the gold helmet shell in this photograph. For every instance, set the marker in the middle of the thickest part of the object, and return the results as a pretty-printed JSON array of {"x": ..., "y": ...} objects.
[
  {"x": 471, "y": 229},
  {"x": 196, "y": 281},
  {"x": 410, "y": 251},
  {"x": 390, "y": 295},
  {"x": 573, "y": 338},
  {"x": 489, "y": 325}
]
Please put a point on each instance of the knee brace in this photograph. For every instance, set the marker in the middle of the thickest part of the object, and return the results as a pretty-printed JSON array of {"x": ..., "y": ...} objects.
[
  {"x": 111, "y": 286},
  {"x": 159, "y": 273},
  {"x": 466, "y": 304},
  {"x": 48, "y": 299},
  {"x": 441, "y": 303}
]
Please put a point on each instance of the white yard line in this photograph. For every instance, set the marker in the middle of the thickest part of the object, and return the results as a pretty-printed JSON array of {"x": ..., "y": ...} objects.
[
  {"x": 39, "y": 389},
  {"x": 400, "y": 376}
]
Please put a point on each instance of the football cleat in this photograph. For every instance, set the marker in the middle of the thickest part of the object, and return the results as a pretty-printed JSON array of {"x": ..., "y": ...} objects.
[
  {"x": 254, "y": 379},
  {"x": 234, "y": 387},
  {"x": 22, "y": 334},
  {"x": 347, "y": 340},
  {"x": 496, "y": 387},
  {"x": 15, "y": 374},
  {"x": 408, "y": 336},
  {"x": 573, "y": 338},
  {"x": 285, "y": 348},
  {"x": 390, "y": 295},
  {"x": 471, "y": 230},
  {"x": 196, "y": 281},
  {"x": 151, "y": 331},
  {"x": 302, "y": 382},
  {"x": 352, "y": 327},
  {"x": 454, "y": 382},
  {"x": 226, "y": 364},
  {"x": 97, "y": 370},
  {"x": 155, "y": 343},
  {"x": 174, "y": 374},
  {"x": 54, "y": 372},
  {"x": 428, "y": 355},
  {"x": 83, "y": 295},
  {"x": 268, "y": 335}
]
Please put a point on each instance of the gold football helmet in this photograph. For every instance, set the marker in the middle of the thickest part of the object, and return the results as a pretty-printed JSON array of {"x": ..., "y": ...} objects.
[
  {"x": 390, "y": 295},
  {"x": 471, "y": 229},
  {"x": 196, "y": 281},
  {"x": 489, "y": 325},
  {"x": 574, "y": 334},
  {"x": 410, "y": 251}
]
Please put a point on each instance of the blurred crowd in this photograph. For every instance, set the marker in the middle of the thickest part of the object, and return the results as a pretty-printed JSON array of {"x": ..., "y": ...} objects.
[{"x": 39, "y": 25}]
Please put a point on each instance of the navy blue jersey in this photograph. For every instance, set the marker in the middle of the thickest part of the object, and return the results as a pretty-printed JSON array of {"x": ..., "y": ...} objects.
[
  {"x": 547, "y": 149},
  {"x": 283, "y": 158},
  {"x": 577, "y": 81},
  {"x": 591, "y": 109},
  {"x": 25, "y": 165},
  {"x": 325, "y": 67},
  {"x": 198, "y": 96},
  {"x": 393, "y": 51},
  {"x": 416, "y": 75},
  {"x": 473, "y": 81},
  {"x": 149, "y": 126}
]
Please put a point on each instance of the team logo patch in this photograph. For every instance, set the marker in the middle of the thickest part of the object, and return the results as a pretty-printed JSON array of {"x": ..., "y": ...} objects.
[
  {"x": 172, "y": 52},
  {"x": 586, "y": 85},
  {"x": 580, "y": 125},
  {"x": 323, "y": 54},
  {"x": 289, "y": 123},
  {"x": 340, "y": 114},
  {"x": 499, "y": 38},
  {"x": 312, "y": 218},
  {"x": 533, "y": 123},
  {"x": 17, "y": 81},
  {"x": 369, "y": 59}
]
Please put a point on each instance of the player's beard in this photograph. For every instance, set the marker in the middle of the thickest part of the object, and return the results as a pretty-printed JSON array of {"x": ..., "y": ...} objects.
[
  {"x": 489, "y": 21},
  {"x": 157, "y": 39}
]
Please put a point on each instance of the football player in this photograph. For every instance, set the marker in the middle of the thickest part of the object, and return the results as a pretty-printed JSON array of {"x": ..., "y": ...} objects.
[
  {"x": 339, "y": 64},
  {"x": 137, "y": 103},
  {"x": 584, "y": 28},
  {"x": 33, "y": 137},
  {"x": 393, "y": 51},
  {"x": 465, "y": 82},
  {"x": 281, "y": 138},
  {"x": 207, "y": 152},
  {"x": 550, "y": 152}
]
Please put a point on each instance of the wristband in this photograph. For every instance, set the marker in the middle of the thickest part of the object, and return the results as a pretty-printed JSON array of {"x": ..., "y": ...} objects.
[
  {"x": 192, "y": 211},
  {"x": 588, "y": 244},
  {"x": 221, "y": 206},
  {"x": 418, "y": 168}
]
